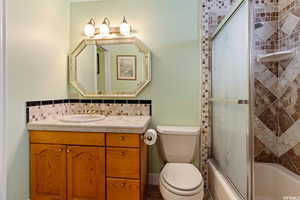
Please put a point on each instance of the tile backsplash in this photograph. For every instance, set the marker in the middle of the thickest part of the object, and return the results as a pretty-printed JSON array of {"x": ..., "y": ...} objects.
[{"x": 54, "y": 109}]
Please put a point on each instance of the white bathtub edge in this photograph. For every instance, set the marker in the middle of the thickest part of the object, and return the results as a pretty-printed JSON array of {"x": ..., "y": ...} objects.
[
  {"x": 280, "y": 169},
  {"x": 218, "y": 186}
]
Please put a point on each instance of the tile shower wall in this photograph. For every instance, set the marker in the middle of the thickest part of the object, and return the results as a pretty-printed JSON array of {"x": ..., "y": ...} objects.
[
  {"x": 266, "y": 40},
  {"x": 54, "y": 109},
  {"x": 277, "y": 86}
]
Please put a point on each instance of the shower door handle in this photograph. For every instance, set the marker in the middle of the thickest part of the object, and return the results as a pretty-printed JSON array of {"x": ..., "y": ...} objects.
[
  {"x": 243, "y": 101},
  {"x": 231, "y": 101}
]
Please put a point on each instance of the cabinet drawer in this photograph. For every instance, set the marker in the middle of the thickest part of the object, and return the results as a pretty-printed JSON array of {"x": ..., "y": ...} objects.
[
  {"x": 123, "y": 162},
  {"x": 122, "y": 189},
  {"x": 68, "y": 138},
  {"x": 123, "y": 140}
]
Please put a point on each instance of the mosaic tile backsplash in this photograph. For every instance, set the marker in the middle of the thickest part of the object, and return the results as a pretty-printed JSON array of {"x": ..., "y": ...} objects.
[{"x": 54, "y": 109}]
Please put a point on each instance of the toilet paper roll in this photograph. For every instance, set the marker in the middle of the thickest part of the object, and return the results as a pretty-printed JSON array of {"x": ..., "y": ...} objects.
[{"x": 150, "y": 137}]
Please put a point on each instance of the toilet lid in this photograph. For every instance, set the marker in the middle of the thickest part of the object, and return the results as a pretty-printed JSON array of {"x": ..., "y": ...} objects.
[{"x": 182, "y": 176}]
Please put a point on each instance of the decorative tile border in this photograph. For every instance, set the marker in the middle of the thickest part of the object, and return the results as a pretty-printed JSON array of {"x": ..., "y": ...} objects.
[
  {"x": 53, "y": 109},
  {"x": 212, "y": 14}
]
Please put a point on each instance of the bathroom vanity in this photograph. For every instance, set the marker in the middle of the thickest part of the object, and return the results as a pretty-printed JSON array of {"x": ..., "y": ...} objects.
[
  {"x": 106, "y": 159},
  {"x": 93, "y": 149}
]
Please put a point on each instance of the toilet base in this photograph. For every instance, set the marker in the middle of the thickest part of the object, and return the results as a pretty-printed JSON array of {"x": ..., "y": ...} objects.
[{"x": 167, "y": 195}]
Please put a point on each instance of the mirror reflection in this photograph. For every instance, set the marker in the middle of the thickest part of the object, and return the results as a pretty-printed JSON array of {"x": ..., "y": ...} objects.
[{"x": 110, "y": 68}]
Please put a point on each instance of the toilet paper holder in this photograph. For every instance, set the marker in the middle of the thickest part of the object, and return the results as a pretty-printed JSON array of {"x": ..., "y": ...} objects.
[{"x": 150, "y": 137}]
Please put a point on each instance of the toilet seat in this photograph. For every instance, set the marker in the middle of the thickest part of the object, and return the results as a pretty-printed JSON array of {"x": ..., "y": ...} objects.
[{"x": 182, "y": 179}]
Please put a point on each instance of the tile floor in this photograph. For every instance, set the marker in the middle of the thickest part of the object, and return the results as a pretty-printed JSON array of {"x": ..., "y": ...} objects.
[{"x": 154, "y": 194}]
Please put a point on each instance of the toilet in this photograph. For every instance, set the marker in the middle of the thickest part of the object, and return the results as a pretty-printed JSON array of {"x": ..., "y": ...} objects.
[{"x": 179, "y": 179}]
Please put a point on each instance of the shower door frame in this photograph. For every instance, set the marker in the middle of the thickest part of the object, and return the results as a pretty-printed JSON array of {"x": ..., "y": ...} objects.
[
  {"x": 3, "y": 171},
  {"x": 250, "y": 133}
]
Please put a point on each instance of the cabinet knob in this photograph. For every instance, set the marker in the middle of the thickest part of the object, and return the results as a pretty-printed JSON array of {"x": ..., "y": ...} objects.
[
  {"x": 60, "y": 150},
  {"x": 122, "y": 185},
  {"x": 68, "y": 150},
  {"x": 122, "y": 138},
  {"x": 122, "y": 153}
]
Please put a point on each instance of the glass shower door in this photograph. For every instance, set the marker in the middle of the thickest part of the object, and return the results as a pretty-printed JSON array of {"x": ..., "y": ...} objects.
[{"x": 230, "y": 91}]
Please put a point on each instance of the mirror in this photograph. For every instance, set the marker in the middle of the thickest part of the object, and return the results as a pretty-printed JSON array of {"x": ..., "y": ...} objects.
[{"x": 118, "y": 67}]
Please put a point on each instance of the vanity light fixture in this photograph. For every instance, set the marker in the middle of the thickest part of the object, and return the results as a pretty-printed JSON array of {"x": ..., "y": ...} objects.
[
  {"x": 125, "y": 28},
  {"x": 89, "y": 28},
  {"x": 105, "y": 30},
  {"x": 104, "y": 27}
]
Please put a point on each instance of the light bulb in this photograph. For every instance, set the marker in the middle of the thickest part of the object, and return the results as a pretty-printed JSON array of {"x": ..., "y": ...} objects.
[
  {"x": 104, "y": 30},
  {"x": 125, "y": 28},
  {"x": 89, "y": 30}
]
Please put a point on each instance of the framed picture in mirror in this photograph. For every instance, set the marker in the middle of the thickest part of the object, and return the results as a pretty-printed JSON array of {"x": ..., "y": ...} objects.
[{"x": 126, "y": 67}]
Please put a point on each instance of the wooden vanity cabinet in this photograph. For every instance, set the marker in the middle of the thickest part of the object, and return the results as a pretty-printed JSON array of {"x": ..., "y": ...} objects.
[
  {"x": 87, "y": 166},
  {"x": 66, "y": 165}
]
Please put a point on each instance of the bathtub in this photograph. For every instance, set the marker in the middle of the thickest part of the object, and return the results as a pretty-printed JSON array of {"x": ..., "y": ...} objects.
[
  {"x": 274, "y": 182},
  {"x": 219, "y": 187}
]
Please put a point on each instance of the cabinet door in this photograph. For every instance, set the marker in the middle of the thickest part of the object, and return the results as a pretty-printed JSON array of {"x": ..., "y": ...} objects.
[
  {"x": 86, "y": 173},
  {"x": 48, "y": 172}
]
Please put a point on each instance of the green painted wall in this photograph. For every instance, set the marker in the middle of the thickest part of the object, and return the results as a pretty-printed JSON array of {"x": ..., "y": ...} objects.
[
  {"x": 170, "y": 28},
  {"x": 37, "y": 45}
]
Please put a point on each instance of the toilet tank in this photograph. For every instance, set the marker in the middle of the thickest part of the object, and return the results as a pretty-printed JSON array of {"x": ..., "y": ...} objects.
[{"x": 178, "y": 144}]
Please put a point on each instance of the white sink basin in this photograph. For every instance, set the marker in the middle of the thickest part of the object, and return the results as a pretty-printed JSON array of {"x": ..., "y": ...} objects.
[{"x": 83, "y": 118}]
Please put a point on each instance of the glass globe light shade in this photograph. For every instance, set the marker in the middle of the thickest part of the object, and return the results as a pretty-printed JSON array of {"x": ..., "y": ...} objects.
[
  {"x": 125, "y": 29},
  {"x": 104, "y": 30},
  {"x": 89, "y": 30}
]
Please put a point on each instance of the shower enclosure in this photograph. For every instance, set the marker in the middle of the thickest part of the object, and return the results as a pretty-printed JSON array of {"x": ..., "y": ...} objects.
[
  {"x": 255, "y": 99},
  {"x": 231, "y": 98}
]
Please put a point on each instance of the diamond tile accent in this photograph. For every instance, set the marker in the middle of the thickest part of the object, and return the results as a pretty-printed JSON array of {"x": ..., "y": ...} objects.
[
  {"x": 290, "y": 24},
  {"x": 273, "y": 67},
  {"x": 291, "y": 101},
  {"x": 269, "y": 118},
  {"x": 286, "y": 160},
  {"x": 265, "y": 31},
  {"x": 265, "y": 135},
  {"x": 284, "y": 120},
  {"x": 264, "y": 98},
  {"x": 282, "y": 79},
  {"x": 266, "y": 77}
]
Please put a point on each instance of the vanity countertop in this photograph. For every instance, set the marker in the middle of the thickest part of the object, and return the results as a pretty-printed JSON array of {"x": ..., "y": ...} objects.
[{"x": 114, "y": 124}]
